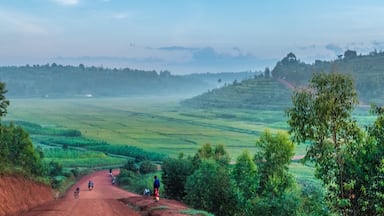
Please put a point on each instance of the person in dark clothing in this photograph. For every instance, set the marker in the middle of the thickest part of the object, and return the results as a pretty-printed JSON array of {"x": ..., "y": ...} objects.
[
  {"x": 156, "y": 186},
  {"x": 90, "y": 185},
  {"x": 77, "y": 193}
]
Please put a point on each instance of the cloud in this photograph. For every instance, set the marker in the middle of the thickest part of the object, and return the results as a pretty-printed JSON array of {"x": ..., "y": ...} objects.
[
  {"x": 334, "y": 48},
  {"x": 179, "y": 60},
  {"x": 178, "y": 48},
  {"x": 120, "y": 16},
  {"x": 67, "y": 2},
  {"x": 13, "y": 22},
  {"x": 209, "y": 59}
]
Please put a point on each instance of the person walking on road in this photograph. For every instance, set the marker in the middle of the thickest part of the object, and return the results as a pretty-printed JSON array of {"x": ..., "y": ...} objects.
[
  {"x": 156, "y": 186},
  {"x": 77, "y": 193}
]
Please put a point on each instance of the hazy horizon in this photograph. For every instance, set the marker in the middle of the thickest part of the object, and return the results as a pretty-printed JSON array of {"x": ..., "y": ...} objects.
[{"x": 185, "y": 36}]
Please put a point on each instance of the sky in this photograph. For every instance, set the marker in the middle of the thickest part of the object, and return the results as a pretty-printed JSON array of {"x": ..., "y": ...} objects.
[{"x": 186, "y": 36}]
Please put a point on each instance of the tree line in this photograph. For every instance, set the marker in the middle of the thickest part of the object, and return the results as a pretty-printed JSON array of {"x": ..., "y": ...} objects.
[{"x": 53, "y": 80}]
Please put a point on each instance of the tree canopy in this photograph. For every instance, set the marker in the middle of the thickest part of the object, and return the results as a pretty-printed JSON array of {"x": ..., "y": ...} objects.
[{"x": 347, "y": 158}]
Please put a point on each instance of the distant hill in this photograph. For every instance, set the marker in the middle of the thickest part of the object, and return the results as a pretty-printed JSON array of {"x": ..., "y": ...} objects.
[
  {"x": 366, "y": 70},
  {"x": 274, "y": 88},
  {"x": 224, "y": 78},
  {"x": 52, "y": 80},
  {"x": 254, "y": 93}
]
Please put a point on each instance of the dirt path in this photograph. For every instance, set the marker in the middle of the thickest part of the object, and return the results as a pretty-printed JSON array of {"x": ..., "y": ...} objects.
[
  {"x": 102, "y": 200},
  {"x": 105, "y": 200},
  {"x": 286, "y": 83}
]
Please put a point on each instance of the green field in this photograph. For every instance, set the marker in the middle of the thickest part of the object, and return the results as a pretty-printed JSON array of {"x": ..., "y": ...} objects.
[{"x": 153, "y": 124}]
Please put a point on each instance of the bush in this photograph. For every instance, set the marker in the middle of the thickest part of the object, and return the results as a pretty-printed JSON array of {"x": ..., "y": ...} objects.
[
  {"x": 68, "y": 174},
  {"x": 57, "y": 181},
  {"x": 174, "y": 176},
  {"x": 131, "y": 166},
  {"x": 147, "y": 167},
  {"x": 75, "y": 172},
  {"x": 126, "y": 177},
  {"x": 54, "y": 168}
]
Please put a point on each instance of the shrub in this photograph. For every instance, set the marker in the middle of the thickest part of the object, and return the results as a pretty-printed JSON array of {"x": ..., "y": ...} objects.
[{"x": 147, "y": 167}]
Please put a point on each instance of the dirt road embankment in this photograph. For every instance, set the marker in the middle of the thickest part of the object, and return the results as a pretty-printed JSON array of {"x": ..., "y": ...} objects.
[{"x": 18, "y": 194}]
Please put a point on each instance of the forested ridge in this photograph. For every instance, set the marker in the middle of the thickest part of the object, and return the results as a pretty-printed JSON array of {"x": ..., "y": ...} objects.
[
  {"x": 53, "y": 80},
  {"x": 367, "y": 71},
  {"x": 275, "y": 87}
]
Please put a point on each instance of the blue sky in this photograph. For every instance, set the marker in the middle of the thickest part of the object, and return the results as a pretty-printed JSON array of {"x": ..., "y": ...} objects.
[{"x": 186, "y": 36}]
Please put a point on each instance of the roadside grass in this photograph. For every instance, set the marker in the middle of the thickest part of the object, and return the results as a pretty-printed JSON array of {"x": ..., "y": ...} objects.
[
  {"x": 139, "y": 182},
  {"x": 88, "y": 162},
  {"x": 196, "y": 212}
]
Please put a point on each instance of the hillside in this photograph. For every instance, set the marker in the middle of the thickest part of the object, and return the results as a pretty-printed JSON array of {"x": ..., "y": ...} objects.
[
  {"x": 366, "y": 70},
  {"x": 258, "y": 92},
  {"x": 274, "y": 89}
]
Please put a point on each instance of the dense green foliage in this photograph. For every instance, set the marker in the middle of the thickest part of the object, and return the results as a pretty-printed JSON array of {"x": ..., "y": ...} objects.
[
  {"x": 276, "y": 194},
  {"x": 246, "y": 181},
  {"x": 16, "y": 149},
  {"x": 253, "y": 186},
  {"x": 129, "y": 151},
  {"x": 364, "y": 170},
  {"x": 133, "y": 180},
  {"x": 174, "y": 176},
  {"x": 348, "y": 160},
  {"x": 147, "y": 167},
  {"x": 37, "y": 129},
  {"x": 4, "y": 103},
  {"x": 209, "y": 188}
]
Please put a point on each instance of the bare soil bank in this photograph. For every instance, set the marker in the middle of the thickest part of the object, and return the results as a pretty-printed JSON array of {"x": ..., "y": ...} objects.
[{"x": 18, "y": 194}]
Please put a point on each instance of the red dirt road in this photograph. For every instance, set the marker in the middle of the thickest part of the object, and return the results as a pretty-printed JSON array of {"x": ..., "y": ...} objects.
[
  {"x": 101, "y": 201},
  {"x": 106, "y": 200}
]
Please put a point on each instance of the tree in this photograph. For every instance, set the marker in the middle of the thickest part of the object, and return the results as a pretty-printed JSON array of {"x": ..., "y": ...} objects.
[
  {"x": 321, "y": 115},
  {"x": 276, "y": 152},
  {"x": 147, "y": 167},
  {"x": 4, "y": 103},
  {"x": 349, "y": 54},
  {"x": 218, "y": 154},
  {"x": 267, "y": 73},
  {"x": 364, "y": 169},
  {"x": 16, "y": 148},
  {"x": 174, "y": 176},
  {"x": 277, "y": 194},
  {"x": 131, "y": 166},
  {"x": 246, "y": 182},
  {"x": 209, "y": 188}
]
